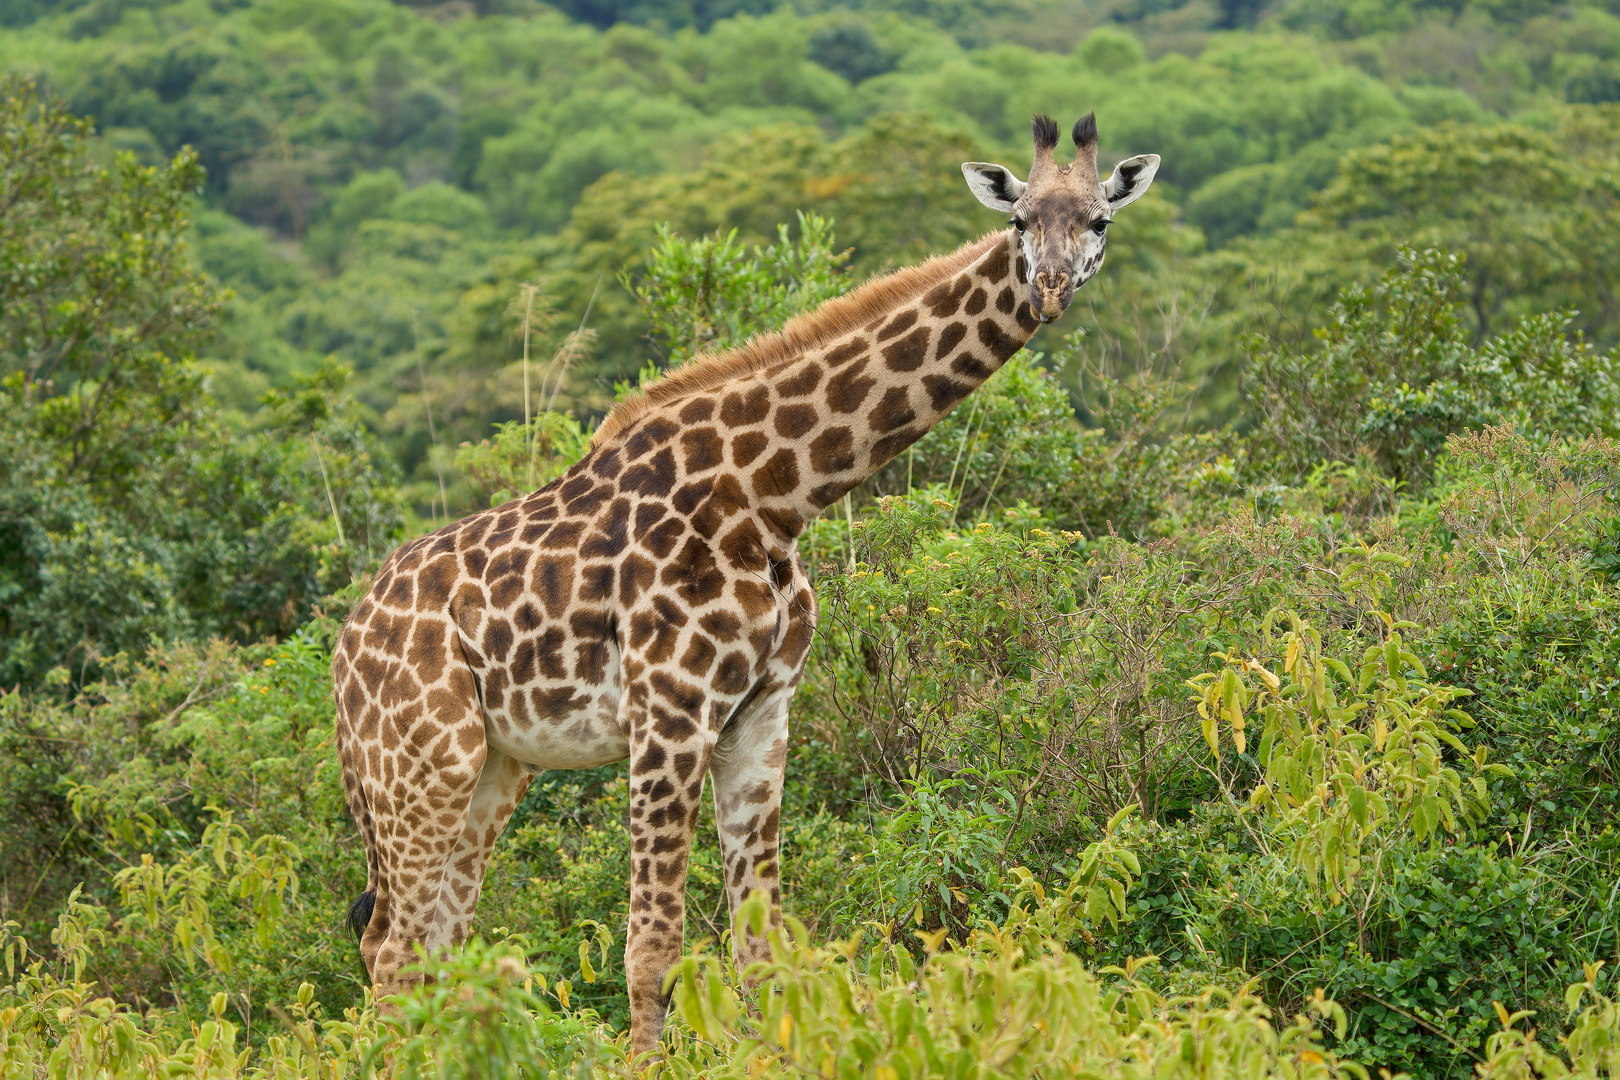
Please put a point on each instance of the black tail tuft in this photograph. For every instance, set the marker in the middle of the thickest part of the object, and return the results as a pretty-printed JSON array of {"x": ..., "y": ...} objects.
[{"x": 360, "y": 913}]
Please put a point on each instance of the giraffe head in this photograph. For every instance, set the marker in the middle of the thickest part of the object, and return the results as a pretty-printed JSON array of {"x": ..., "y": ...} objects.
[{"x": 1062, "y": 213}]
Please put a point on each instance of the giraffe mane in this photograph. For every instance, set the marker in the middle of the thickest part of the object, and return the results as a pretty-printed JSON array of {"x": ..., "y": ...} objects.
[{"x": 876, "y": 297}]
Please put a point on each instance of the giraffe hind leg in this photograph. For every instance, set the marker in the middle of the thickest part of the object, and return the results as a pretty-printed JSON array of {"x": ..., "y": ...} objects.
[
  {"x": 419, "y": 786},
  {"x": 501, "y": 785}
]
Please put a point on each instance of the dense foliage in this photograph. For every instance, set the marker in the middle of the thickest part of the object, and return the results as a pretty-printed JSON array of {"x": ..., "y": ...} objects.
[
  {"x": 1227, "y": 689},
  {"x": 133, "y": 507},
  {"x": 381, "y": 180}
]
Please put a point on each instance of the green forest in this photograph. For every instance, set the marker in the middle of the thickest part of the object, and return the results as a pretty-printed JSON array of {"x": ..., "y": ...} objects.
[{"x": 1227, "y": 689}]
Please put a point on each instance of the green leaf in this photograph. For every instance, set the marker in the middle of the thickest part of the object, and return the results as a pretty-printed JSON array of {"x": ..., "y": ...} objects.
[
  {"x": 1358, "y": 805},
  {"x": 1120, "y": 815}
]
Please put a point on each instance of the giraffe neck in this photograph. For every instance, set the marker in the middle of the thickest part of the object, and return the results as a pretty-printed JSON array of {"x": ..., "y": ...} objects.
[
  {"x": 779, "y": 434},
  {"x": 843, "y": 412}
]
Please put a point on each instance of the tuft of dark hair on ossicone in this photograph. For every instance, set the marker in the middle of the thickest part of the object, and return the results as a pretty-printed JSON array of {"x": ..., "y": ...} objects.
[
  {"x": 1046, "y": 132},
  {"x": 1085, "y": 130}
]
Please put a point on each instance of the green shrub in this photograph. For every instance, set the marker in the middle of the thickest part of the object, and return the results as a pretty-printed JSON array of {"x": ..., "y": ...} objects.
[
  {"x": 484, "y": 1013},
  {"x": 1009, "y": 1002},
  {"x": 1416, "y": 961},
  {"x": 998, "y": 651},
  {"x": 133, "y": 509},
  {"x": 1399, "y": 371},
  {"x": 709, "y": 294},
  {"x": 517, "y": 459}
]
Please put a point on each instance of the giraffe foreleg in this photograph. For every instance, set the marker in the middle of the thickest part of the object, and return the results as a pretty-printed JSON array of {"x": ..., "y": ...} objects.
[
  {"x": 749, "y": 765},
  {"x": 669, "y": 760}
]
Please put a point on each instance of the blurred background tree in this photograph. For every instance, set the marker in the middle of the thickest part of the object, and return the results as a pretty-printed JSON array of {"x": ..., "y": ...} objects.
[
  {"x": 133, "y": 509},
  {"x": 379, "y": 180}
]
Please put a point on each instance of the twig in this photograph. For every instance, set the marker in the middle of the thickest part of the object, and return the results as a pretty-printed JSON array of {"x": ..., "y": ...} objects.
[
  {"x": 574, "y": 339},
  {"x": 528, "y": 321},
  {"x": 849, "y": 518},
  {"x": 328, "y": 485},
  {"x": 991, "y": 493},
  {"x": 966, "y": 430},
  {"x": 433, "y": 436},
  {"x": 1419, "y": 1020}
]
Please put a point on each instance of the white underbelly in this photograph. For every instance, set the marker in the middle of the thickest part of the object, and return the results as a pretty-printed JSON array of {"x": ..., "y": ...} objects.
[{"x": 584, "y": 736}]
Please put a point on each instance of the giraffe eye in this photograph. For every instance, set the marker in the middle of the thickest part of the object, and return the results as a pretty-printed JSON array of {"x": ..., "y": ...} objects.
[
  {"x": 1100, "y": 226},
  {"x": 1020, "y": 224}
]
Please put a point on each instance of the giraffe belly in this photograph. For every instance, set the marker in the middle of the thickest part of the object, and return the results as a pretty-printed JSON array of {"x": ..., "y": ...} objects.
[{"x": 560, "y": 725}]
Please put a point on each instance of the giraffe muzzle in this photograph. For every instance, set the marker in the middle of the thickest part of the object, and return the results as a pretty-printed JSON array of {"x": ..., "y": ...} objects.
[{"x": 1050, "y": 295}]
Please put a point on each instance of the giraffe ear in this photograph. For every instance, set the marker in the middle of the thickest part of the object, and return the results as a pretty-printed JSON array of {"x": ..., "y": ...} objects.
[
  {"x": 993, "y": 185},
  {"x": 1131, "y": 178}
]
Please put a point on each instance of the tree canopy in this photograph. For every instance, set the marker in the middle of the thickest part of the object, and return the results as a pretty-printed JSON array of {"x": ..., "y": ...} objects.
[{"x": 380, "y": 181}]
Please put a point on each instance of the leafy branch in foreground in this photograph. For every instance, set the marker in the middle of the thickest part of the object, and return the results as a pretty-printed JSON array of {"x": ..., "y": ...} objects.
[
  {"x": 994, "y": 1007},
  {"x": 1348, "y": 759}
]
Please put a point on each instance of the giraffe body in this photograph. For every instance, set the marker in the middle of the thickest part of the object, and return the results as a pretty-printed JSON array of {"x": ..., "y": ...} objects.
[{"x": 649, "y": 604}]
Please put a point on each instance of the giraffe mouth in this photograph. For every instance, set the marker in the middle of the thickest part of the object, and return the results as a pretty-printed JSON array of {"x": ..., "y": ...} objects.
[
  {"x": 1050, "y": 296},
  {"x": 1049, "y": 307}
]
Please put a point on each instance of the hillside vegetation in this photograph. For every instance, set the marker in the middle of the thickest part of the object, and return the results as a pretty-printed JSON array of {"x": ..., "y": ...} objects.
[
  {"x": 380, "y": 179},
  {"x": 1228, "y": 688}
]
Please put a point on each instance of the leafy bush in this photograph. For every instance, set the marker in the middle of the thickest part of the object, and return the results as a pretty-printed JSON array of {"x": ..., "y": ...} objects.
[
  {"x": 1394, "y": 916},
  {"x": 1008, "y": 1002},
  {"x": 709, "y": 294},
  {"x": 1399, "y": 371},
  {"x": 1311, "y": 718},
  {"x": 1416, "y": 961},
  {"x": 133, "y": 508},
  {"x": 998, "y": 650},
  {"x": 517, "y": 459}
]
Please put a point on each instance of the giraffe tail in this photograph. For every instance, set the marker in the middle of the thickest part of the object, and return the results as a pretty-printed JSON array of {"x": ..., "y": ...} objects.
[
  {"x": 361, "y": 909},
  {"x": 360, "y": 913}
]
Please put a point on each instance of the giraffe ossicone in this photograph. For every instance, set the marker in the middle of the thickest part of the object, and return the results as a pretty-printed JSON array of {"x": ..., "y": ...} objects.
[{"x": 650, "y": 604}]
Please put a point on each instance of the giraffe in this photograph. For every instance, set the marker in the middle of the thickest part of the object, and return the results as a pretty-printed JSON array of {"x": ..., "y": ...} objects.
[{"x": 650, "y": 604}]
